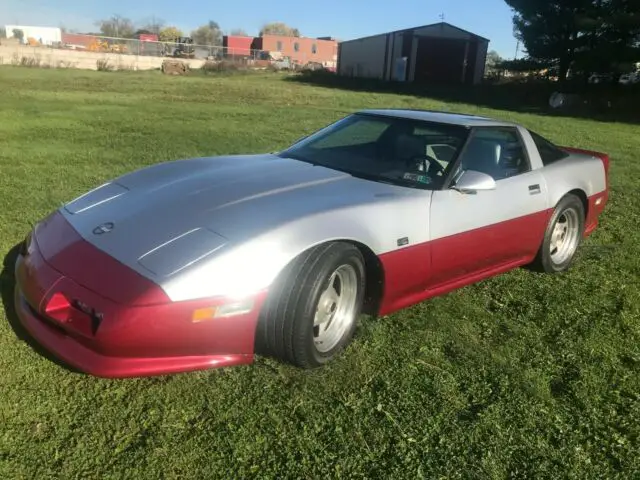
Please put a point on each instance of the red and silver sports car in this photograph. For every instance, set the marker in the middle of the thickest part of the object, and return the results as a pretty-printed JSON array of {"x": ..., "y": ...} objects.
[{"x": 206, "y": 262}]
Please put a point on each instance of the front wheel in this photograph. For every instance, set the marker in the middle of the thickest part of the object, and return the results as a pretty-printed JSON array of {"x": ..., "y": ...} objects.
[
  {"x": 562, "y": 237},
  {"x": 311, "y": 312}
]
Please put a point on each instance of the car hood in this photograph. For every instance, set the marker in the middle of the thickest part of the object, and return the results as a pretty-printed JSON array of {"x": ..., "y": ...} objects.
[{"x": 166, "y": 217}]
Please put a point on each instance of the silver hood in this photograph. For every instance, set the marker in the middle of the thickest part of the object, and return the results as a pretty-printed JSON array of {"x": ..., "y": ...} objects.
[{"x": 167, "y": 216}]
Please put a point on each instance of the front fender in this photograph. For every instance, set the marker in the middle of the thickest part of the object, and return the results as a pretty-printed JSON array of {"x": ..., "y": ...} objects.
[{"x": 242, "y": 269}]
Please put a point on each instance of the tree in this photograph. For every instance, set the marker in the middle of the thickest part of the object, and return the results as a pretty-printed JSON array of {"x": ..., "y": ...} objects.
[
  {"x": 279, "y": 28},
  {"x": 594, "y": 33},
  {"x": 117, "y": 26},
  {"x": 238, "y": 32},
  {"x": 493, "y": 61},
  {"x": 209, "y": 34},
  {"x": 153, "y": 25},
  {"x": 18, "y": 33},
  {"x": 548, "y": 28},
  {"x": 169, "y": 34}
]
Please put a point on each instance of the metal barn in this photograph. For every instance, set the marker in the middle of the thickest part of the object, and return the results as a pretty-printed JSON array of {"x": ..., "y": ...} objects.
[{"x": 439, "y": 54}]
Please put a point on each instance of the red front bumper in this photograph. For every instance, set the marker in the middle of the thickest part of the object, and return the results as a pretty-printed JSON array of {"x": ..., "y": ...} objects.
[{"x": 125, "y": 340}]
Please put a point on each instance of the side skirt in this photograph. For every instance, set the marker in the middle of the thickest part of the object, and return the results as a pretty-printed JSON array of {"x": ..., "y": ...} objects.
[{"x": 445, "y": 288}]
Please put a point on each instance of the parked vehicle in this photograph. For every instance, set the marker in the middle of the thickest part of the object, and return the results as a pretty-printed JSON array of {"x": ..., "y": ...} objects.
[{"x": 205, "y": 262}]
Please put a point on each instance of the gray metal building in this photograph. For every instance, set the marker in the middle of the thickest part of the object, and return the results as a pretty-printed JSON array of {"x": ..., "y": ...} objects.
[{"x": 438, "y": 53}]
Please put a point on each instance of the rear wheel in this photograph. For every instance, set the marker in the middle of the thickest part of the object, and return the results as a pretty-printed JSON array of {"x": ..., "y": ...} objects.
[
  {"x": 562, "y": 236},
  {"x": 312, "y": 309}
]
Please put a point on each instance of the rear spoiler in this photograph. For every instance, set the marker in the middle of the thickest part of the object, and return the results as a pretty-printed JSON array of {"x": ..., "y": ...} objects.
[{"x": 602, "y": 156}]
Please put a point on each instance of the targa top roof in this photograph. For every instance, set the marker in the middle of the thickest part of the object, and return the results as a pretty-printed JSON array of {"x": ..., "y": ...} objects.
[{"x": 450, "y": 118}]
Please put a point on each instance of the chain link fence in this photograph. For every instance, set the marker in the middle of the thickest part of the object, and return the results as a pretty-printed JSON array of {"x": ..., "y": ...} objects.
[
  {"x": 126, "y": 53},
  {"x": 130, "y": 46},
  {"x": 183, "y": 50}
]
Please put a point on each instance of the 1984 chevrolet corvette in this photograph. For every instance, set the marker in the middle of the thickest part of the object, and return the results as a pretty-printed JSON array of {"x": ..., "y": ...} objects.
[{"x": 206, "y": 262}]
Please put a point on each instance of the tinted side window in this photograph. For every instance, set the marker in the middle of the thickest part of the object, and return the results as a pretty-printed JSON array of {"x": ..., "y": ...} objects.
[
  {"x": 497, "y": 152},
  {"x": 549, "y": 153}
]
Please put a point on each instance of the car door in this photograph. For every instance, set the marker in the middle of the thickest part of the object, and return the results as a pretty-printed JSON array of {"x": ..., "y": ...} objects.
[{"x": 481, "y": 230}]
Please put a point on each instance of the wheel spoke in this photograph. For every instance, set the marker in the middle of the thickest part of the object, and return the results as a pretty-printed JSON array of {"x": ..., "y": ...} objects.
[
  {"x": 564, "y": 238},
  {"x": 333, "y": 294},
  {"x": 335, "y": 312}
]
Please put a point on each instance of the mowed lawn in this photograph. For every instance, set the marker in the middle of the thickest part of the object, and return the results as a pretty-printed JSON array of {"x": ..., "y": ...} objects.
[{"x": 522, "y": 375}]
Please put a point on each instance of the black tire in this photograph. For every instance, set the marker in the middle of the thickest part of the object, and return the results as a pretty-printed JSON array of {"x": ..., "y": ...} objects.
[
  {"x": 285, "y": 328},
  {"x": 569, "y": 205}
]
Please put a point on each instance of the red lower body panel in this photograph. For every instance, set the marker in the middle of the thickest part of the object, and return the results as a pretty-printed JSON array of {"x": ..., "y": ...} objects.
[
  {"x": 100, "y": 336},
  {"x": 437, "y": 267},
  {"x": 596, "y": 206},
  {"x": 77, "y": 355}
]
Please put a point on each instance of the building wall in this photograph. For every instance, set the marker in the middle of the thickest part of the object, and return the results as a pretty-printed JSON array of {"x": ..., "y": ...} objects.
[
  {"x": 237, "y": 45},
  {"x": 78, "y": 39},
  {"x": 364, "y": 58},
  {"x": 481, "y": 61},
  {"x": 395, "y": 53},
  {"x": 62, "y": 58},
  {"x": 442, "y": 31},
  {"x": 301, "y": 49},
  {"x": 434, "y": 54}
]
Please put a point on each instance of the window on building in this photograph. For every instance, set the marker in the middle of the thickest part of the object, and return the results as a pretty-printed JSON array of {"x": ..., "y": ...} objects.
[
  {"x": 314, "y": 48},
  {"x": 279, "y": 46},
  {"x": 296, "y": 47}
]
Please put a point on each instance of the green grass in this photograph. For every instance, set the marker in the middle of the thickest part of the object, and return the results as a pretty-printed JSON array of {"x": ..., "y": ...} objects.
[{"x": 519, "y": 376}]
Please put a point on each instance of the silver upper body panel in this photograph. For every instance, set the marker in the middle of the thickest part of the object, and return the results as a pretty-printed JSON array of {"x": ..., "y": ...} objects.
[
  {"x": 250, "y": 210},
  {"x": 227, "y": 225},
  {"x": 440, "y": 117}
]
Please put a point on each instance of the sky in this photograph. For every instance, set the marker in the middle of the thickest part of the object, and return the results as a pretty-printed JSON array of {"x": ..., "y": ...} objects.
[{"x": 342, "y": 19}]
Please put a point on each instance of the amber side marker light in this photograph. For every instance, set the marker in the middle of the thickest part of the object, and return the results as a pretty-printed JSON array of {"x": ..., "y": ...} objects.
[{"x": 227, "y": 310}]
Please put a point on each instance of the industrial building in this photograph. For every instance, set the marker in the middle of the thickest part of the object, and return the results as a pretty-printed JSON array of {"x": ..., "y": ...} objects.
[{"x": 438, "y": 54}]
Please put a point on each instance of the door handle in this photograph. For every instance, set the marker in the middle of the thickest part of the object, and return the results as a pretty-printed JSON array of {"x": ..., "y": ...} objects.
[{"x": 534, "y": 189}]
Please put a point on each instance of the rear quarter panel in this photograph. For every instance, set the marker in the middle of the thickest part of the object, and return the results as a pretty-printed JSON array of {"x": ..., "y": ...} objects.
[
  {"x": 576, "y": 172},
  {"x": 579, "y": 171},
  {"x": 583, "y": 173}
]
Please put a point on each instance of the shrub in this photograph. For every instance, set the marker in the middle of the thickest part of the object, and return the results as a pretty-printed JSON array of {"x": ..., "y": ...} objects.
[
  {"x": 103, "y": 65},
  {"x": 227, "y": 66}
]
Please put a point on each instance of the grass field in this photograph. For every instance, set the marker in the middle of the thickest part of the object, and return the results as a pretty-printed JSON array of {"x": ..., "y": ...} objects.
[{"x": 519, "y": 376}]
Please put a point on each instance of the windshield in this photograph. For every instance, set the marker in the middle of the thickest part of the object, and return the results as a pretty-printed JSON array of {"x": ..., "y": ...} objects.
[{"x": 400, "y": 151}]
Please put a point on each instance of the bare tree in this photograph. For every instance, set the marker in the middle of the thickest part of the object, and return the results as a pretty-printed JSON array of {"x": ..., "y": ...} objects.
[
  {"x": 116, "y": 26},
  {"x": 153, "y": 24}
]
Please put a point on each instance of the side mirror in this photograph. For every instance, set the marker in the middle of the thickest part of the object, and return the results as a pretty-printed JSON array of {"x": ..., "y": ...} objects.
[{"x": 471, "y": 181}]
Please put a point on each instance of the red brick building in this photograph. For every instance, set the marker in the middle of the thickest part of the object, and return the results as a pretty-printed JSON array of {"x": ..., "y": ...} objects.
[
  {"x": 301, "y": 50},
  {"x": 236, "y": 45}
]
